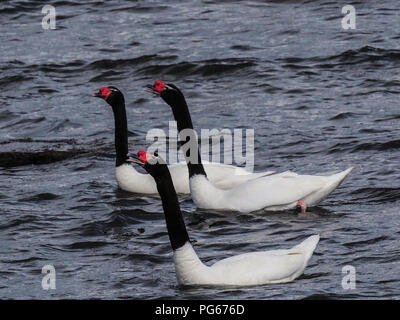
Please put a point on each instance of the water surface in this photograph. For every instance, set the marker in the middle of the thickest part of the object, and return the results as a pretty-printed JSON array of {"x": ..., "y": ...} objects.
[{"x": 320, "y": 99}]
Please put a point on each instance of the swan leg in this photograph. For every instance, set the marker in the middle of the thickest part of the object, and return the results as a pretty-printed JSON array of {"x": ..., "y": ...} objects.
[{"x": 303, "y": 205}]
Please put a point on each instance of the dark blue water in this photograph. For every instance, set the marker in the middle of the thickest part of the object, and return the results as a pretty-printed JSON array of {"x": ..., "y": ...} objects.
[{"x": 319, "y": 98}]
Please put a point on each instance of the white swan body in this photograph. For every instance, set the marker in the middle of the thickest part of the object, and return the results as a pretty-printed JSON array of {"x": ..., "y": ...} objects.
[
  {"x": 275, "y": 192},
  {"x": 247, "y": 269},
  {"x": 222, "y": 176},
  {"x": 255, "y": 268}
]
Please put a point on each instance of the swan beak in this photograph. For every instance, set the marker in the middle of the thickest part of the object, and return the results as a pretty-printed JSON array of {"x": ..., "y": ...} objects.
[
  {"x": 134, "y": 159},
  {"x": 150, "y": 88},
  {"x": 97, "y": 95}
]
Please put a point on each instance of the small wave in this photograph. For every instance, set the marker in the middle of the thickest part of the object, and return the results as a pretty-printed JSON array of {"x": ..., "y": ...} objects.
[
  {"x": 243, "y": 48},
  {"x": 366, "y": 54},
  {"x": 30, "y": 140},
  {"x": 18, "y": 221},
  {"x": 378, "y": 146},
  {"x": 24, "y": 122},
  {"x": 86, "y": 245},
  {"x": 343, "y": 115},
  {"x": 118, "y": 220},
  {"x": 373, "y": 130},
  {"x": 42, "y": 197},
  {"x": 68, "y": 67},
  {"x": 6, "y": 115},
  {"x": 377, "y": 195},
  {"x": 133, "y": 62},
  {"x": 365, "y": 242},
  {"x": 148, "y": 258},
  {"x": 356, "y": 146},
  {"x": 107, "y": 76},
  {"x": 140, "y": 8},
  {"x": 369, "y": 53},
  {"x": 393, "y": 117},
  {"x": 12, "y": 80},
  {"x": 15, "y": 158},
  {"x": 319, "y": 296},
  {"x": 331, "y": 296},
  {"x": 204, "y": 68}
]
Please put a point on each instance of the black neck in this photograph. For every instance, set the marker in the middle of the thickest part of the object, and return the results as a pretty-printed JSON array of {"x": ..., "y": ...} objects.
[
  {"x": 184, "y": 121},
  {"x": 178, "y": 235},
  {"x": 121, "y": 131}
]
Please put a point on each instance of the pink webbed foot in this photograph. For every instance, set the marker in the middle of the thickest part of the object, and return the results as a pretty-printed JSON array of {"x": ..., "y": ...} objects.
[{"x": 303, "y": 206}]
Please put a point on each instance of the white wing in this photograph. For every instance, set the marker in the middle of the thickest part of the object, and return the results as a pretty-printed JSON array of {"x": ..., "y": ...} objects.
[
  {"x": 267, "y": 266},
  {"x": 223, "y": 176},
  {"x": 277, "y": 190},
  {"x": 274, "y": 192}
]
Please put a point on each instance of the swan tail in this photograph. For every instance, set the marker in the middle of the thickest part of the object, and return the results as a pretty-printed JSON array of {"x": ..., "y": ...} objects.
[
  {"x": 339, "y": 177},
  {"x": 336, "y": 180},
  {"x": 332, "y": 182},
  {"x": 307, "y": 247}
]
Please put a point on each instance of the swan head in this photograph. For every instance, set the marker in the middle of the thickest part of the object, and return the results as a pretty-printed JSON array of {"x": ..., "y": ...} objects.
[
  {"x": 167, "y": 91},
  {"x": 110, "y": 94},
  {"x": 153, "y": 164}
]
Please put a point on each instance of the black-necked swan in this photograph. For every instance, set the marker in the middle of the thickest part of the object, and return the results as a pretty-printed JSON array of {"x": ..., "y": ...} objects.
[
  {"x": 282, "y": 191},
  {"x": 254, "y": 268},
  {"x": 131, "y": 180}
]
